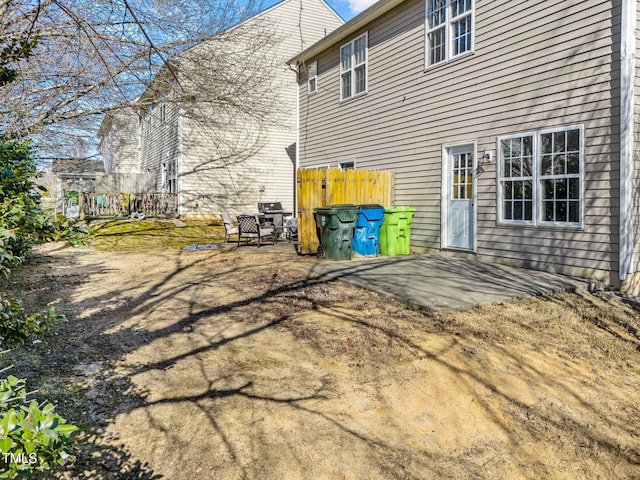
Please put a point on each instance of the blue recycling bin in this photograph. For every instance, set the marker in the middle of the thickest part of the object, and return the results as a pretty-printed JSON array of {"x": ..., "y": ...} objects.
[{"x": 366, "y": 234}]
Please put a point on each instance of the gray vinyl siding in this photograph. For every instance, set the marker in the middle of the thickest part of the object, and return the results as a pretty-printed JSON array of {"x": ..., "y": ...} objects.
[
  {"x": 536, "y": 65},
  {"x": 215, "y": 178},
  {"x": 636, "y": 149}
]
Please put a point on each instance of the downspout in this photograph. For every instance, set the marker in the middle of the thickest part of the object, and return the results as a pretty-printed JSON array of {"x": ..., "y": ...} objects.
[
  {"x": 179, "y": 160},
  {"x": 297, "y": 162},
  {"x": 627, "y": 132}
]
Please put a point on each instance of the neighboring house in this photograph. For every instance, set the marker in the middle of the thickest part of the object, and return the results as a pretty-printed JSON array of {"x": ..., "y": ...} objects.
[
  {"x": 216, "y": 155},
  {"x": 73, "y": 176},
  {"x": 511, "y": 125},
  {"x": 120, "y": 142},
  {"x": 120, "y": 153}
]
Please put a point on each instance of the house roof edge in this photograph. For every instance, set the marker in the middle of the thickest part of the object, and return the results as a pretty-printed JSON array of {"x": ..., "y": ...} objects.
[{"x": 370, "y": 14}]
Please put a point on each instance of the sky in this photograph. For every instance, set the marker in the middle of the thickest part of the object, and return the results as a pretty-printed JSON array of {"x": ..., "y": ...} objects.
[{"x": 348, "y": 9}]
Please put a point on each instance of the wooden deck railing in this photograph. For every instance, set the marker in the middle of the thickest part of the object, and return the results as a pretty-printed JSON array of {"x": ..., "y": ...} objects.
[{"x": 107, "y": 205}]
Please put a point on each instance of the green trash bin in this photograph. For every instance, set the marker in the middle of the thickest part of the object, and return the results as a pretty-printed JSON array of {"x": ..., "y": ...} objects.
[
  {"x": 334, "y": 224},
  {"x": 395, "y": 233}
]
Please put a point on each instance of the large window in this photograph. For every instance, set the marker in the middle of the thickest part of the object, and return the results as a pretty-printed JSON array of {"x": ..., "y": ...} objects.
[
  {"x": 517, "y": 178},
  {"x": 353, "y": 68},
  {"x": 540, "y": 177},
  {"x": 560, "y": 174},
  {"x": 449, "y": 29}
]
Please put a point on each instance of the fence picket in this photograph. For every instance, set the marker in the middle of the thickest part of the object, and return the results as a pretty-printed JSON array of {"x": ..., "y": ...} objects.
[
  {"x": 319, "y": 187},
  {"x": 108, "y": 205}
]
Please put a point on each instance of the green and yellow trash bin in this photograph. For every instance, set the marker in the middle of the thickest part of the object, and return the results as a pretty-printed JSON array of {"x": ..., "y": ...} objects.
[{"x": 395, "y": 233}]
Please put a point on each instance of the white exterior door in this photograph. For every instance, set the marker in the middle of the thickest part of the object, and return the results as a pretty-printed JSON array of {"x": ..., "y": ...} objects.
[{"x": 459, "y": 197}]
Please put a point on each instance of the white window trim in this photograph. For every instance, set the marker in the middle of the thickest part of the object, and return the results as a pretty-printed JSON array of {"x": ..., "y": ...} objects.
[
  {"x": 365, "y": 35},
  {"x": 314, "y": 77},
  {"x": 449, "y": 56},
  {"x": 538, "y": 210},
  {"x": 444, "y": 191}
]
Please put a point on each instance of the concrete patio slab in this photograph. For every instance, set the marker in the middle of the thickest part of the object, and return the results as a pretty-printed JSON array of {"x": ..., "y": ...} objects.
[{"x": 444, "y": 283}]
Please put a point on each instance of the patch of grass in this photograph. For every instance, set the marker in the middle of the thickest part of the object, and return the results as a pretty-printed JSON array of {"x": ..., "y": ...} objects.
[
  {"x": 596, "y": 327},
  {"x": 150, "y": 235}
]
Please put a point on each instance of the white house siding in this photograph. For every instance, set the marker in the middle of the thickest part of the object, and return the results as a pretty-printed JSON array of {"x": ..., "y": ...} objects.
[
  {"x": 216, "y": 177},
  {"x": 537, "y": 64},
  {"x": 158, "y": 140},
  {"x": 119, "y": 145}
]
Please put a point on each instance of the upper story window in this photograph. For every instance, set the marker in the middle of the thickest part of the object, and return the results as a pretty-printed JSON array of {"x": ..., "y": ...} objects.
[
  {"x": 312, "y": 77},
  {"x": 449, "y": 29},
  {"x": 540, "y": 177},
  {"x": 170, "y": 174},
  {"x": 353, "y": 67}
]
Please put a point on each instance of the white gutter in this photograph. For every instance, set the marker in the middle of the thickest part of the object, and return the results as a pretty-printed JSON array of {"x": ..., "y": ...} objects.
[
  {"x": 295, "y": 183},
  {"x": 627, "y": 78}
]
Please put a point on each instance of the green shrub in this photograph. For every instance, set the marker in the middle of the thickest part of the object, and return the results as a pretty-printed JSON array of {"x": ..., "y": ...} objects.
[
  {"x": 16, "y": 326},
  {"x": 32, "y": 437},
  {"x": 70, "y": 231},
  {"x": 22, "y": 220}
]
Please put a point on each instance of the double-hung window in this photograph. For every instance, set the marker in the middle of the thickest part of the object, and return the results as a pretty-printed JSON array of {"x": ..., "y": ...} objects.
[
  {"x": 560, "y": 175},
  {"x": 162, "y": 114},
  {"x": 171, "y": 176},
  {"x": 312, "y": 77},
  {"x": 540, "y": 177},
  {"x": 517, "y": 178},
  {"x": 353, "y": 67},
  {"x": 449, "y": 29}
]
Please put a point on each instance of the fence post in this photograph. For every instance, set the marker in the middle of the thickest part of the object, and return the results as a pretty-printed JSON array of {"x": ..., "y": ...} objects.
[{"x": 81, "y": 204}]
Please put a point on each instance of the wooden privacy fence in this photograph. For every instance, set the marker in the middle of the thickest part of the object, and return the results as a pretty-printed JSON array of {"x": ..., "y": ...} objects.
[
  {"x": 321, "y": 187},
  {"x": 97, "y": 205}
]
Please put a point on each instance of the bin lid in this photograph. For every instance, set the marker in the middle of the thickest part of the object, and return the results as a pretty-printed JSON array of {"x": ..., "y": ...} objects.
[
  {"x": 399, "y": 209},
  {"x": 334, "y": 208},
  {"x": 369, "y": 206},
  {"x": 343, "y": 205}
]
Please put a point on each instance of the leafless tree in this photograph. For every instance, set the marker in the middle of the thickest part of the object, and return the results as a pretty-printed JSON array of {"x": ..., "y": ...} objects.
[{"x": 94, "y": 57}]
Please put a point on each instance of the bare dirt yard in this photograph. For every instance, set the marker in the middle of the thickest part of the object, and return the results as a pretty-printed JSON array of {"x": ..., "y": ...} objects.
[{"x": 240, "y": 364}]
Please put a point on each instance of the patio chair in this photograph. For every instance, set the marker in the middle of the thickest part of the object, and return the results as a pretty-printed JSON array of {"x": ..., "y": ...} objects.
[
  {"x": 249, "y": 227},
  {"x": 229, "y": 228}
]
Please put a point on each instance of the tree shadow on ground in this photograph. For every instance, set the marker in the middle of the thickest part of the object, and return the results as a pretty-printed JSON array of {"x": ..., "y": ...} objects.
[{"x": 175, "y": 304}]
